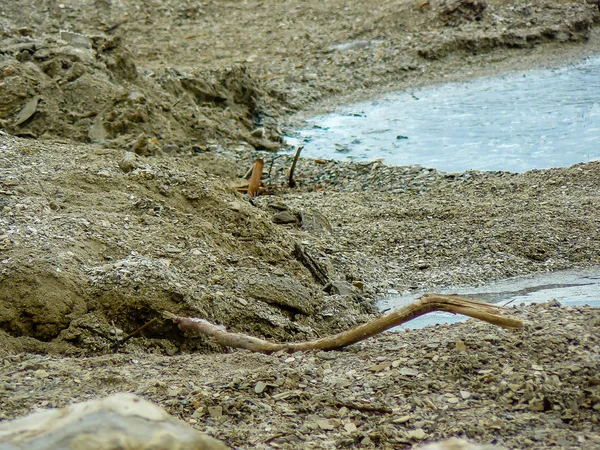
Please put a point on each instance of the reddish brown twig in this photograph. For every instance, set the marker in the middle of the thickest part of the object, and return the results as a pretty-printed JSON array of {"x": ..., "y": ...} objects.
[{"x": 256, "y": 178}]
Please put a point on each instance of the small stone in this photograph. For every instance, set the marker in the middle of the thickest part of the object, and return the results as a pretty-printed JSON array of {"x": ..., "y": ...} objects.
[
  {"x": 76, "y": 39},
  {"x": 284, "y": 217},
  {"x": 9, "y": 71},
  {"x": 76, "y": 70},
  {"x": 41, "y": 373},
  {"x": 407, "y": 371},
  {"x": 26, "y": 31},
  {"x": 258, "y": 133},
  {"x": 129, "y": 162},
  {"x": 173, "y": 392},
  {"x": 537, "y": 404},
  {"x": 380, "y": 367},
  {"x": 28, "y": 110},
  {"x": 350, "y": 427},
  {"x": 417, "y": 434},
  {"x": 327, "y": 355},
  {"x": 97, "y": 133},
  {"x": 325, "y": 425},
  {"x": 403, "y": 419},
  {"x": 260, "y": 387},
  {"x": 422, "y": 265},
  {"x": 341, "y": 287},
  {"x": 460, "y": 346},
  {"x": 358, "y": 285},
  {"x": 104, "y": 173},
  {"x": 465, "y": 394},
  {"x": 215, "y": 411}
]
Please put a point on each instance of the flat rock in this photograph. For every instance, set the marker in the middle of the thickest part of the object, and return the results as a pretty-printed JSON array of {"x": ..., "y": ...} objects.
[
  {"x": 131, "y": 421},
  {"x": 285, "y": 292}
]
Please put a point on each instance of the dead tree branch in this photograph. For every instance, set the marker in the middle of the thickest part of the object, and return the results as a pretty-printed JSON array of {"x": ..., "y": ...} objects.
[
  {"x": 426, "y": 304},
  {"x": 313, "y": 266},
  {"x": 136, "y": 332},
  {"x": 291, "y": 181}
]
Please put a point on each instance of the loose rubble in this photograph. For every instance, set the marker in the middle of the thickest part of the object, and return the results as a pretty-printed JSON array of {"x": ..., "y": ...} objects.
[
  {"x": 533, "y": 388},
  {"x": 126, "y": 130}
]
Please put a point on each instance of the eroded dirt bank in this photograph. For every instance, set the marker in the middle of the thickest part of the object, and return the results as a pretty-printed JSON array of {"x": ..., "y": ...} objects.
[{"x": 119, "y": 156}]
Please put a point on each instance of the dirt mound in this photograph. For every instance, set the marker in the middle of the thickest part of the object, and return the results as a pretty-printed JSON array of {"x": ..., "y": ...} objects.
[
  {"x": 96, "y": 251},
  {"x": 88, "y": 89}
]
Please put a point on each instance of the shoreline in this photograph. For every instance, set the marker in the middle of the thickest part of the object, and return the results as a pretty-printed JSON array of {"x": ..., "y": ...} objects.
[
  {"x": 121, "y": 162},
  {"x": 502, "y": 62}
]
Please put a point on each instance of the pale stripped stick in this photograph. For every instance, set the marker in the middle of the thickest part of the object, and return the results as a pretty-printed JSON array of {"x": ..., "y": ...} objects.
[{"x": 426, "y": 304}]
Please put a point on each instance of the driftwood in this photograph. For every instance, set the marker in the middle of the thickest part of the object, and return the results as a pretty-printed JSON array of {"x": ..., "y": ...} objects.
[
  {"x": 426, "y": 304},
  {"x": 256, "y": 177}
]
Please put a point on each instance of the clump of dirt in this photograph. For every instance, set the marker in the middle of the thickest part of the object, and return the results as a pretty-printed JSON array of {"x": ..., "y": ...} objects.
[
  {"x": 96, "y": 248},
  {"x": 88, "y": 89},
  {"x": 462, "y": 11}
]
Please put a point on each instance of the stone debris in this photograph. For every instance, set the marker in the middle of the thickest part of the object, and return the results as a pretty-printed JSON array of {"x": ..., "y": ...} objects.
[{"x": 96, "y": 242}]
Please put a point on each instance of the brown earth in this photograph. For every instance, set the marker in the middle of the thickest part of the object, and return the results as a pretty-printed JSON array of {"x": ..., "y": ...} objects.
[{"x": 125, "y": 133}]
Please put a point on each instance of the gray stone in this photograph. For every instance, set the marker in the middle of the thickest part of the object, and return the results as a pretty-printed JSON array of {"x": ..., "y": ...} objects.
[
  {"x": 285, "y": 292},
  {"x": 130, "y": 421},
  {"x": 284, "y": 217}
]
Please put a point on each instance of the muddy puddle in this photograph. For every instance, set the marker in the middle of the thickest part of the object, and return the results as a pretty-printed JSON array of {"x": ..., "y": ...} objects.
[
  {"x": 522, "y": 121},
  {"x": 569, "y": 287}
]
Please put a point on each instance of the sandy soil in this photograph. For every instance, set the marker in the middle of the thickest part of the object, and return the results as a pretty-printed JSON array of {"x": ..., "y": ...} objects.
[{"x": 123, "y": 141}]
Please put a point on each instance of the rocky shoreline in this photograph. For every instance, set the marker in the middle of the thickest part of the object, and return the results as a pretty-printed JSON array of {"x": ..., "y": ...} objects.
[{"x": 120, "y": 156}]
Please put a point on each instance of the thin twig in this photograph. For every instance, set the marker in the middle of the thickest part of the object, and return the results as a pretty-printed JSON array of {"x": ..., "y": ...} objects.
[
  {"x": 249, "y": 172},
  {"x": 115, "y": 26},
  {"x": 272, "y": 162},
  {"x": 291, "y": 181},
  {"x": 313, "y": 266},
  {"x": 136, "y": 332}
]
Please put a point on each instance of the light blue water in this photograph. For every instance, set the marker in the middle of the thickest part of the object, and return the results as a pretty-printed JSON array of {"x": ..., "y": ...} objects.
[
  {"x": 538, "y": 119},
  {"x": 569, "y": 287}
]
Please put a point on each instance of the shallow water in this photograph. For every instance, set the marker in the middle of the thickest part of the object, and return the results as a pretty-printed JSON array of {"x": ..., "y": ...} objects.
[
  {"x": 538, "y": 119},
  {"x": 569, "y": 287}
]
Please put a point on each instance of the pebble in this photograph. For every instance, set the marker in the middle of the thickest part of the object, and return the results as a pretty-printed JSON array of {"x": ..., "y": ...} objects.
[
  {"x": 418, "y": 434},
  {"x": 260, "y": 387}
]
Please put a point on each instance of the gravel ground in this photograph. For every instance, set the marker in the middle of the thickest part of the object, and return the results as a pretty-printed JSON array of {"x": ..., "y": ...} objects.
[
  {"x": 120, "y": 155},
  {"x": 533, "y": 388}
]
